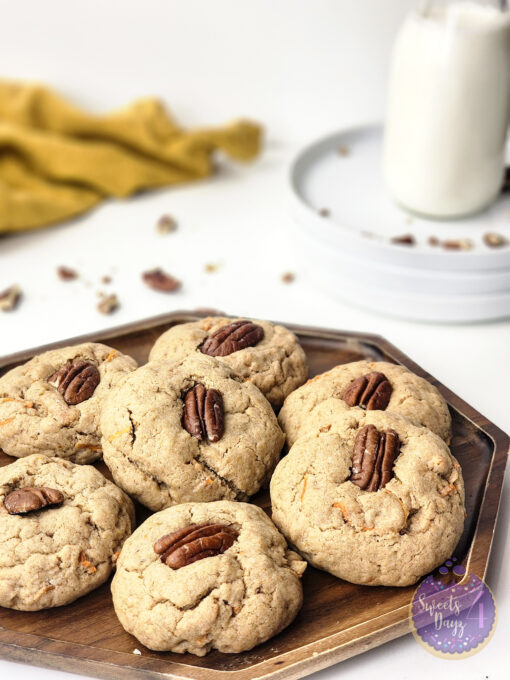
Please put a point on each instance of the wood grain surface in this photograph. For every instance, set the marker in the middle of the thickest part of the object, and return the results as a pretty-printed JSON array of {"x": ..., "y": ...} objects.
[{"x": 338, "y": 619}]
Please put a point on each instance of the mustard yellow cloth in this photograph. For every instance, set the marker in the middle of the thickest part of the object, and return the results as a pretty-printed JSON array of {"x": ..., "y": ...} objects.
[{"x": 57, "y": 161}]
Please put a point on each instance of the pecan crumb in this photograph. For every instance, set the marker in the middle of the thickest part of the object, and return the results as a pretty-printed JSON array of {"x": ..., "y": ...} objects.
[
  {"x": 506, "y": 181},
  {"x": 343, "y": 150},
  {"x": 9, "y": 299},
  {"x": 166, "y": 224},
  {"x": 66, "y": 273},
  {"x": 404, "y": 240},
  {"x": 106, "y": 279},
  {"x": 494, "y": 240},
  {"x": 211, "y": 268},
  {"x": 288, "y": 277},
  {"x": 158, "y": 280},
  {"x": 108, "y": 304},
  {"x": 324, "y": 212},
  {"x": 433, "y": 241},
  {"x": 457, "y": 244}
]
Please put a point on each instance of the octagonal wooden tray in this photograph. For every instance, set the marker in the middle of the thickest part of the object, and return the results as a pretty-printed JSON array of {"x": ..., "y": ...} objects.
[{"x": 338, "y": 619}]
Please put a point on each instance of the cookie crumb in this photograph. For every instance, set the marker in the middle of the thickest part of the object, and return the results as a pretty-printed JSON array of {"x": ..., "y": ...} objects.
[
  {"x": 108, "y": 304},
  {"x": 288, "y": 277},
  {"x": 494, "y": 240},
  {"x": 137, "y": 651},
  {"x": 324, "y": 212},
  {"x": 343, "y": 150},
  {"x": 159, "y": 280},
  {"x": 404, "y": 240},
  {"x": 433, "y": 241},
  {"x": 166, "y": 224},
  {"x": 211, "y": 268},
  {"x": 66, "y": 273},
  {"x": 457, "y": 244},
  {"x": 10, "y": 298}
]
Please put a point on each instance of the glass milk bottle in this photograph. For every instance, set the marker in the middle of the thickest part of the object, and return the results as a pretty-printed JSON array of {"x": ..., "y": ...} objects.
[{"x": 448, "y": 108}]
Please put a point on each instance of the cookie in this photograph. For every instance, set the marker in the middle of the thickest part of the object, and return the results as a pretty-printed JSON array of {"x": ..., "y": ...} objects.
[
  {"x": 61, "y": 529},
  {"x": 267, "y": 355},
  {"x": 202, "y": 576},
  {"x": 51, "y": 404},
  {"x": 372, "y": 385},
  {"x": 368, "y": 496},
  {"x": 189, "y": 431}
]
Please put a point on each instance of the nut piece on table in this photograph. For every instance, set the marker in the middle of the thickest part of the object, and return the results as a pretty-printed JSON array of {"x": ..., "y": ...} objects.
[
  {"x": 9, "y": 299},
  {"x": 373, "y": 458},
  {"x": 157, "y": 279},
  {"x": 231, "y": 338},
  {"x": 76, "y": 381},
  {"x": 166, "y": 224},
  {"x": 108, "y": 304},
  {"x": 203, "y": 413},
  {"x": 494, "y": 240},
  {"x": 32, "y": 498},
  {"x": 66, "y": 273},
  {"x": 193, "y": 543}
]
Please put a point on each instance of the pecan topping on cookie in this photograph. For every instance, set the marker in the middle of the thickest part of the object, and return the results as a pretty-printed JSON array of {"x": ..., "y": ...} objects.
[
  {"x": 193, "y": 543},
  {"x": 32, "y": 498},
  {"x": 371, "y": 391},
  {"x": 203, "y": 413},
  {"x": 76, "y": 381},
  {"x": 231, "y": 338},
  {"x": 373, "y": 458}
]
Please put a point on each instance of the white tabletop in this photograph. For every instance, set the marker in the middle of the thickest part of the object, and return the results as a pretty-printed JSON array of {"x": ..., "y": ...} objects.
[{"x": 303, "y": 69}]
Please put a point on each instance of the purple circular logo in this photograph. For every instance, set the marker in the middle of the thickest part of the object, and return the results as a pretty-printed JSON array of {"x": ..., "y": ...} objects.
[{"x": 454, "y": 614}]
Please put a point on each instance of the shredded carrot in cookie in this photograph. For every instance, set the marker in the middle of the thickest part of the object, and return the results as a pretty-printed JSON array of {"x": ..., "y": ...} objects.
[
  {"x": 87, "y": 564},
  {"x": 92, "y": 447},
  {"x": 119, "y": 433},
  {"x": 115, "y": 556},
  {"x": 450, "y": 489},
  {"x": 304, "y": 487},
  {"x": 47, "y": 588},
  {"x": 367, "y": 528},
  {"x": 208, "y": 481},
  {"x": 4, "y": 422},
  {"x": 317, "y": 377},
  {"x": 26, "y": 404},
  {"x": 111, "y": 356},
  {"x": 325, "y": 428},
  {"x": 343, "y": 509}
]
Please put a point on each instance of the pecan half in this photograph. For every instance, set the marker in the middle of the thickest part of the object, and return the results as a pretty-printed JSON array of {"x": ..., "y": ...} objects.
[
  {"x": 159, "y": 280},
  {"x": 203, "y": 413},
  {"x": 76, "y": 381},
  {"x": 373, "y": 458},
  {"x": 371, "y": 391},
  {"x": 231, "y": 338},
  {"x": 32, "y": 498},
  {"x": 194, "y": 543}
]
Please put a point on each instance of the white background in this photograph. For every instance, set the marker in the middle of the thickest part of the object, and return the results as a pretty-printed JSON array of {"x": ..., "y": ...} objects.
[{"x": 303, "y": 69}]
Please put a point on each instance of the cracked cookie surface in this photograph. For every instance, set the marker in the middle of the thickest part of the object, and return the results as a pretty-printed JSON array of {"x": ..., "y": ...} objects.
[
  {"x": 387, "y": 537},
  {"x": 53, "y": 556},
  {"x": 35, "y": 417},
  {"x": 412, "y": 397},
  {"x": 276, "y": 364},
  {"x": 229, "y": 602},
  {"x": 159, "y": 462}
]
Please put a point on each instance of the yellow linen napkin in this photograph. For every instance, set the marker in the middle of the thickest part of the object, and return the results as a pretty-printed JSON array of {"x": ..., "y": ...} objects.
[{"x": 57, "y": 161}]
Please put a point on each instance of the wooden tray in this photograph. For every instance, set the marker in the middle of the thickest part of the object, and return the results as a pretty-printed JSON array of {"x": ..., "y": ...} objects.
[{"x": 338, "y": 619}]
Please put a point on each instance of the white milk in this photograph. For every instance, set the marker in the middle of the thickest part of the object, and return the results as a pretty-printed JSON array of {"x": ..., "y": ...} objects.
[{"x": 449, "y": 106}]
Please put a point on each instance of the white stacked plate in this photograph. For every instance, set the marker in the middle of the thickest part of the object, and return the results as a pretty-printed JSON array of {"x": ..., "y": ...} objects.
[{"x": 344, "y": 220}]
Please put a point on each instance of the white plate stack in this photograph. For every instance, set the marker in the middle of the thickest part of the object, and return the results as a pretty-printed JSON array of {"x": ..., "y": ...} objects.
[{"x": 344, "y": 221}]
